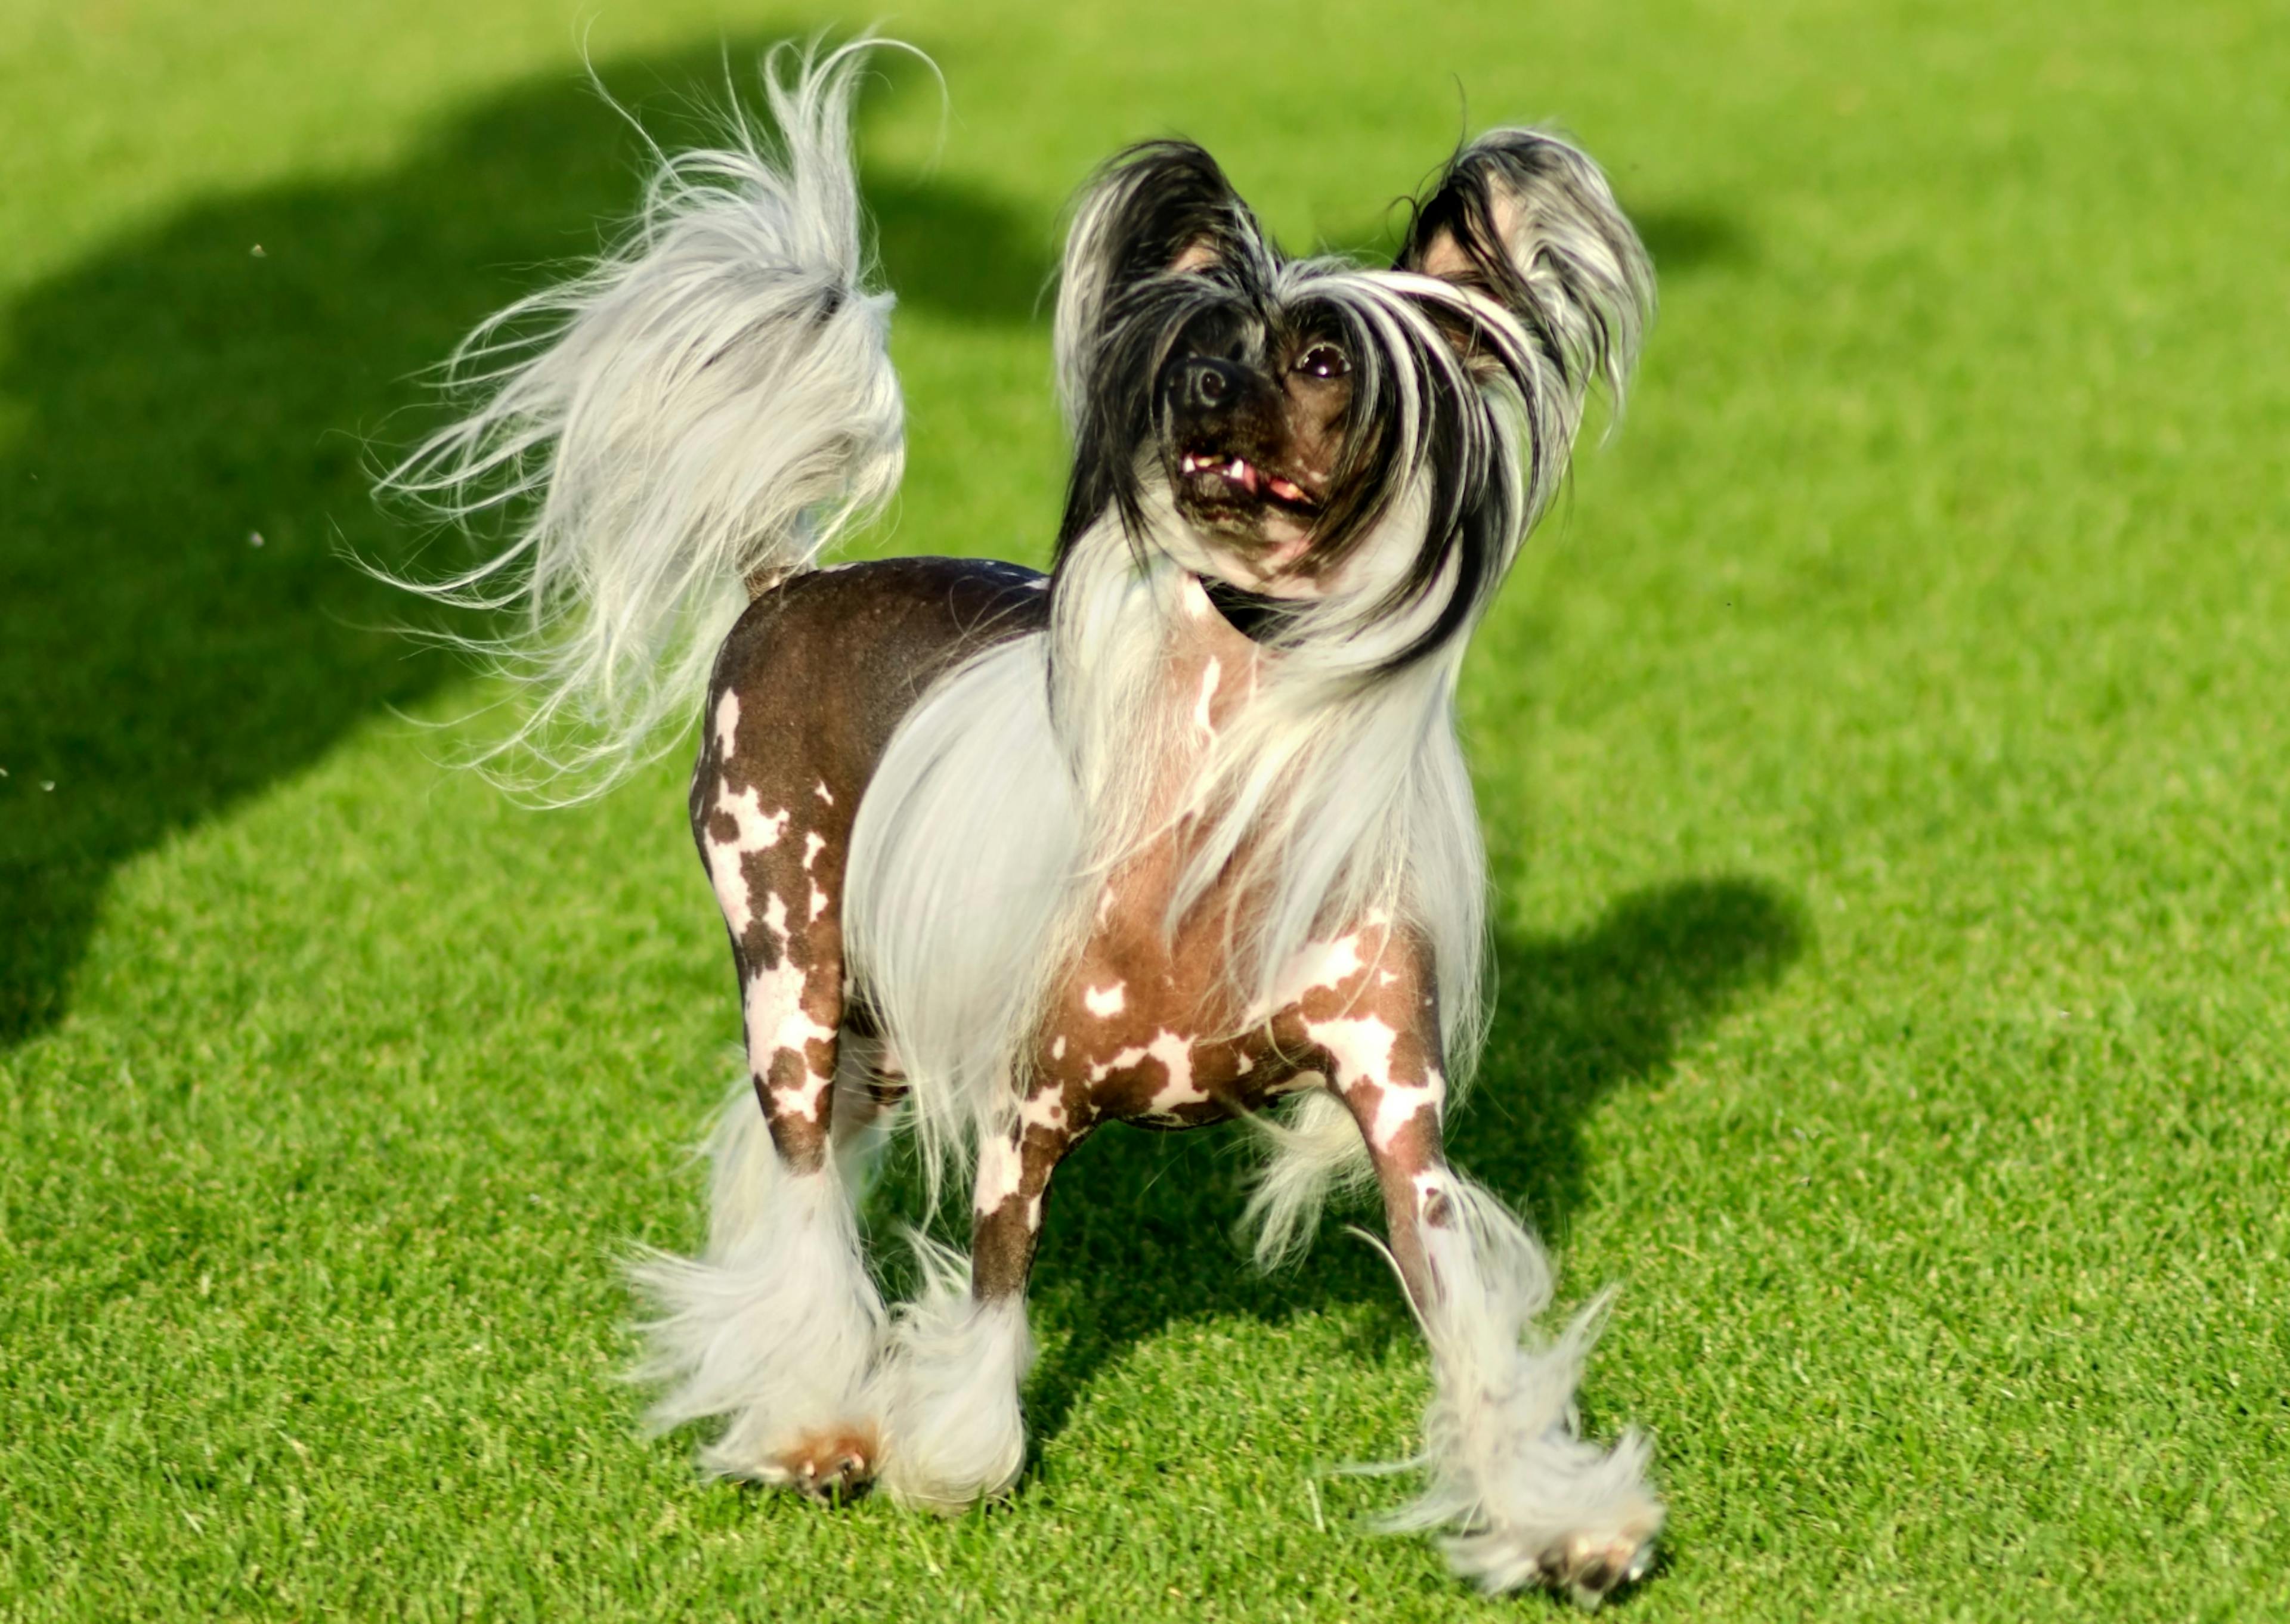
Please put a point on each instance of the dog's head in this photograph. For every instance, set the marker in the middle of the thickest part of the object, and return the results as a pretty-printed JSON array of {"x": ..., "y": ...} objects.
[{"x": 1314, "y": 429}]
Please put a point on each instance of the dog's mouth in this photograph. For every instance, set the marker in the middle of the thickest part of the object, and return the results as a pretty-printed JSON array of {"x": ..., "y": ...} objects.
[{"x": 1225, "y": 479}]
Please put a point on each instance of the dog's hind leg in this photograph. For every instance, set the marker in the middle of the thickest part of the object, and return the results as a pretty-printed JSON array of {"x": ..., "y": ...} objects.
[
  {"x": 954, "y": 1432},
  {"x": 1522, "y": 1496},
  {"x": 776, "y": 1325}
]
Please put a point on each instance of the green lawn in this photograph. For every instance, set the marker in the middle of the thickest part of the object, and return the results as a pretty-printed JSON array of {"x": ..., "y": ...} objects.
[{"x": 1883, "y": 757}]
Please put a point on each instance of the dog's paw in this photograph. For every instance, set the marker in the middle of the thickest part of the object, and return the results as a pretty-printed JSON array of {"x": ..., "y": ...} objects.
[
  {"x": 1591, "y": 1567},
  {"x": 833, "y": 1465}
]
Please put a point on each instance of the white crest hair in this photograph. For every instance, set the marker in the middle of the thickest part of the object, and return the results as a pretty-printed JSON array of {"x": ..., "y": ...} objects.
[{"x": 712, "y": 402}]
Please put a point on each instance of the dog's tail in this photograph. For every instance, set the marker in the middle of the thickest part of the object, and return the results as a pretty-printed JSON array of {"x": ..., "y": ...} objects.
[{"x": 703, "y": 411}]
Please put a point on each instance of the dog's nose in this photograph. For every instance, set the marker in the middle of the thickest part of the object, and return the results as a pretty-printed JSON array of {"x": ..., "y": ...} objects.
[{"x": 1208, "y": 385}]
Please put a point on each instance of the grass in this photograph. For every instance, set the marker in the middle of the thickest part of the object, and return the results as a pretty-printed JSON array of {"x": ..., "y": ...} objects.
[{"x": 1881, "y": 756}]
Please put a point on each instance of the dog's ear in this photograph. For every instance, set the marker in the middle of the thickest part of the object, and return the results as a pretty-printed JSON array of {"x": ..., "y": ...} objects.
[
  {"x": 1157, "y": 208},
  {"x": 1528, "y": 220}
]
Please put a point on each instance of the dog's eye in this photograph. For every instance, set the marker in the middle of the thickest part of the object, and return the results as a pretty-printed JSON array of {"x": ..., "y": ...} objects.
[{"x": 1324, "y": 361}]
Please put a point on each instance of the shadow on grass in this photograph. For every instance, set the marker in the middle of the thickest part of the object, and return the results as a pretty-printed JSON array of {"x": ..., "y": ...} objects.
[
  {"x": 206, "y": 382},
  {"x": 1688, "y": 239},
  {"x": 178, "y": 625},
  {"x": 1140, "y": 1234}
]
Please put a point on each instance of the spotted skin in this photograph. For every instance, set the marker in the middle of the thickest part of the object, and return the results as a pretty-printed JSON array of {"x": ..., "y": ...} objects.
[
  {"x": 777, "y": 787},
  {"x": 1162, "y": 1064},
  {"x": 1141, "y": 1030}
]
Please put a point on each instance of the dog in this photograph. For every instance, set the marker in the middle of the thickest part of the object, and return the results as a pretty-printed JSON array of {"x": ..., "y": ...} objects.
[{"x": 1177, "y": 833}]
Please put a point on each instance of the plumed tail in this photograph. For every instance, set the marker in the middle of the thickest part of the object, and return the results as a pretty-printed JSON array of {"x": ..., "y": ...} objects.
[{"x": 705, "y": 409}]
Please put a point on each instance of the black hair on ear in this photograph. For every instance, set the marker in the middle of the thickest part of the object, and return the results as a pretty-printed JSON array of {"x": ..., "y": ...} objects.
[{"x": 1528, "y": 220}]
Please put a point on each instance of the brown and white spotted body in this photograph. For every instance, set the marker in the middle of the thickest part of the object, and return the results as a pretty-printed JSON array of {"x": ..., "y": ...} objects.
[
  {"x": 1260, "y": 531},
  {"x": 1141, "y": 1030},
  {"x": 1144, "y": 1029},
  {"x": 777, "y": 788}
]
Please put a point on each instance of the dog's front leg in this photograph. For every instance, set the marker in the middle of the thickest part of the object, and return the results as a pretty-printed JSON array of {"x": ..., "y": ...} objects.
[
  {"x": 954, "y": 1432},
  {"x": 1524, "y": 1497}
]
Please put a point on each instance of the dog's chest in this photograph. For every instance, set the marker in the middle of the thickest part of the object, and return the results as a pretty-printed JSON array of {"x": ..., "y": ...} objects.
[
  {"x": 1146, "y": 1027},
  {"x": 1147, "y": 1031}
]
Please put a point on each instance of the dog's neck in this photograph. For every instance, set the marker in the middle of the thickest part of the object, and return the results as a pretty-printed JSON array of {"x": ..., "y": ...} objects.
[
  {"x": 1252, "y": 615},
  {"x": 1213, "y": 654}
]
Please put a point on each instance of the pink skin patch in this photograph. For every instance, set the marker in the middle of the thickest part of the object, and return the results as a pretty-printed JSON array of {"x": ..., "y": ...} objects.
[
  {"x": 1204, "y": 717},
  {"x": 779, "y": 1026},
  {"x": 813, "y": 844},
  {"x": 727, "y": 725},
  {"x": 1361, "y": 1051},
  {"x": 1174, "y": 1055},
  {"x": 1323, "y": 966},
  {"x": 755, "y": 830}
]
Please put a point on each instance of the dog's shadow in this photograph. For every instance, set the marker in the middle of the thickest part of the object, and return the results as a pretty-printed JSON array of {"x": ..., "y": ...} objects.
[
  {"x": 1140, "y": 1234},
  {"x": 186, "y": 464}
]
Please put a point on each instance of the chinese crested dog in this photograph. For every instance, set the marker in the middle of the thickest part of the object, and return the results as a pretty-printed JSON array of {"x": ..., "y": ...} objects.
[{"x": 1177, "y": 833}]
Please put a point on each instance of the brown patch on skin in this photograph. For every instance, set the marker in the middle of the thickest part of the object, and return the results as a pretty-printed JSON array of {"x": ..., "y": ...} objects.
[
  {"x": 833, "y": 1465},
  {"x": 822, "y": 667},
  {"x": 789, "y": 1069},
  {"x": 1003, "y": 1237}
]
